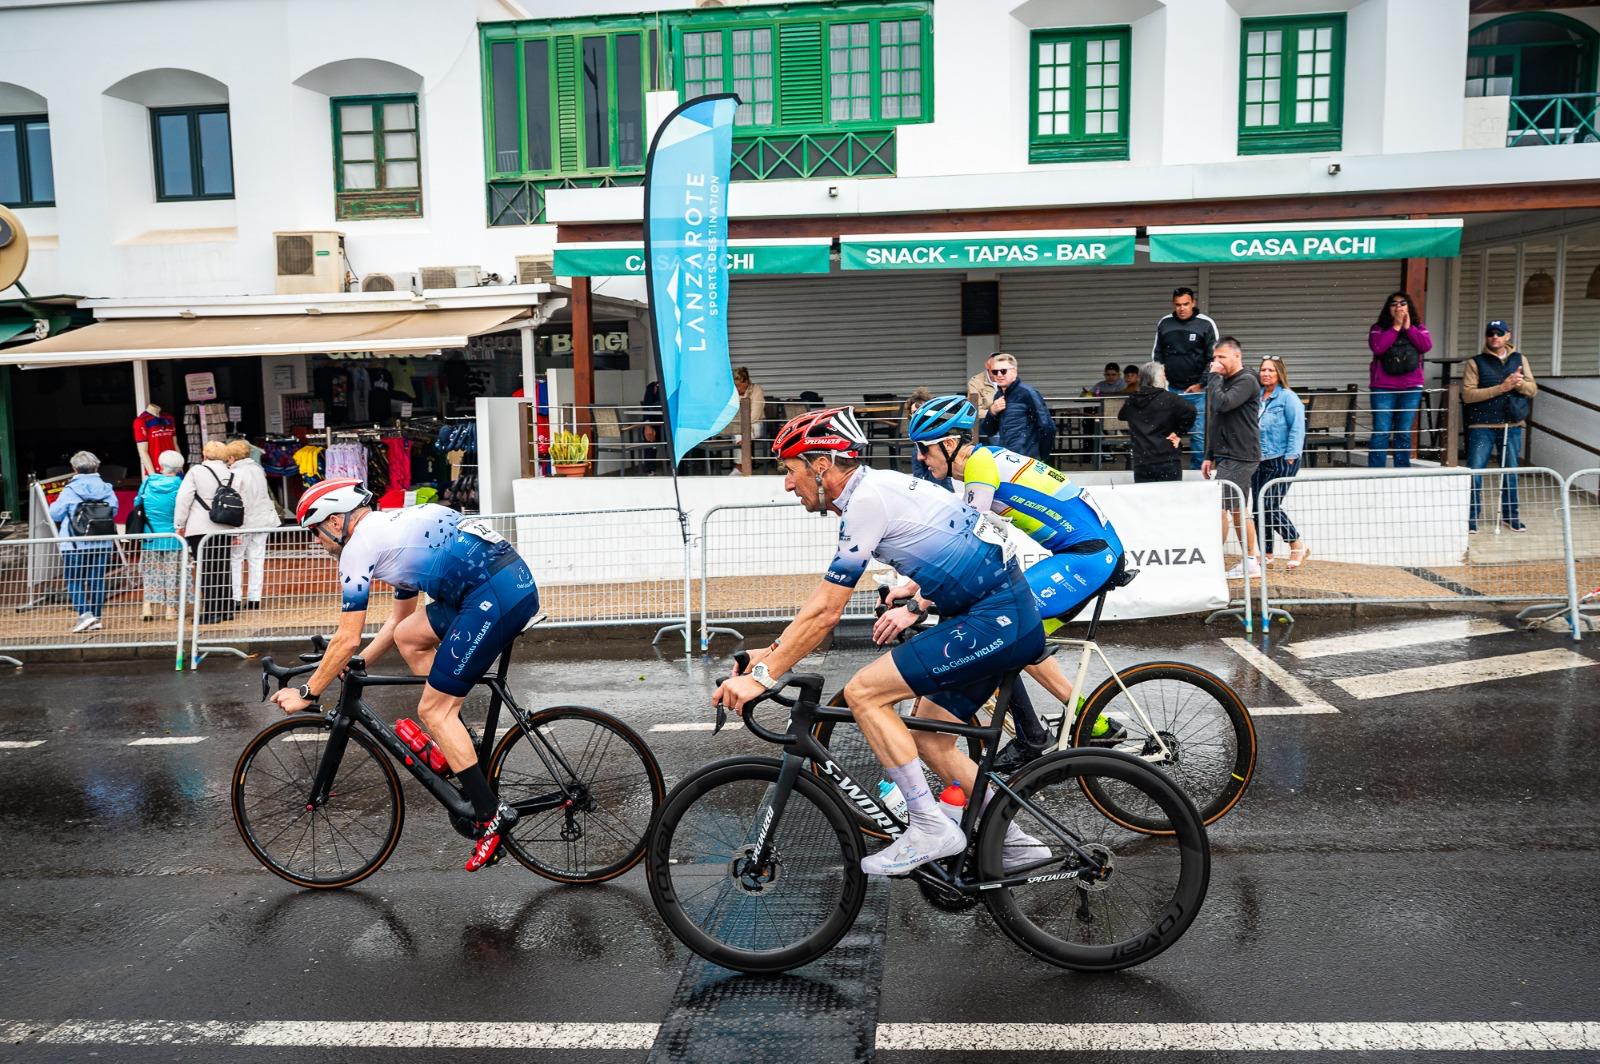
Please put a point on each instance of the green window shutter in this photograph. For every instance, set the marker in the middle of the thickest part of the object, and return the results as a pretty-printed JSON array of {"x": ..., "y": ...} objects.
[
  {"x": 800, "y": 73},
  {"x": 568, "y": 95}
]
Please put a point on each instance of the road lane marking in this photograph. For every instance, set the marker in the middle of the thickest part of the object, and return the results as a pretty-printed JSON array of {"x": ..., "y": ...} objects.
[
  {"x": 20, "y": 744},
  {"x": 168, "y": 740},
  {"x": 1518, "y": 1037},
  {"x": 1306, "y": 699},
  {"x": 1489, "y": 1036},
  {"x": 1397, "y": 638},
  {"x": 685, "y": 726},
  {"x": 1461, "y": 673},
  {"x": 1290, "y": 711},
  {"x": 301, "y": 736}
]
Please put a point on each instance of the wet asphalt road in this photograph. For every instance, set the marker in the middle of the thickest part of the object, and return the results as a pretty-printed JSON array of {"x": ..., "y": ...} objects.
[{"x": 1423, "y": 857}]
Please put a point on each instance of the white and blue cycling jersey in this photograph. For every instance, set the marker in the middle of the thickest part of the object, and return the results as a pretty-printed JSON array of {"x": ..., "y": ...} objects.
[
  {"x": 923, "y": 531},
  {"x": 428, "y": 548}
]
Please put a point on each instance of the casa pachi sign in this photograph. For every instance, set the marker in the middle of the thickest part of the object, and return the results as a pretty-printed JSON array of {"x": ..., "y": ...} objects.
[
  {"x": 987, "y": 251},
  {"x": 1308, "y": 242},
  {"x": 620, "y": 259}
]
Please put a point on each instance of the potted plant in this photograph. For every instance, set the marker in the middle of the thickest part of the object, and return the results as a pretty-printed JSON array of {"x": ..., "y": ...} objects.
[{"x": 569, "y": 454}]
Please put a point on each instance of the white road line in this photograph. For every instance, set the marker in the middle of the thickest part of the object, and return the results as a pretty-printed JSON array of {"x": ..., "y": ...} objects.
[
  {"x": 1307, "y": 699},
  {"x": 1409, "y": 635},
  {"x": 20, "y": 744},
  {"x": 1240, "y": 1037},
  {"x": 1291, "y": 711},
  {"x": 399, "y": 1034},
  {"x": 168, "y": 740},
  {"x": 685, "y": 726},
  {"x": 1461, "y": 673},
  {"x": 302, "y": 737}
]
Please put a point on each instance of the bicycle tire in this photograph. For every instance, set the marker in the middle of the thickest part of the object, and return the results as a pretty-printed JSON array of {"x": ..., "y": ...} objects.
[
  {"x": 814, "y": 820},
  {"x": 293, "y": 783},
  {"x": 857, "y": 760},
  {"x": 1160, "y": 880},
  {"x": 1215, "y": 741},
  {"x": 624, "y": 802}
]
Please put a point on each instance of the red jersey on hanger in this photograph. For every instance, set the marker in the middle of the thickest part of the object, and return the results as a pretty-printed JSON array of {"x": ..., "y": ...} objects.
[{"x": 159, "y": 431}]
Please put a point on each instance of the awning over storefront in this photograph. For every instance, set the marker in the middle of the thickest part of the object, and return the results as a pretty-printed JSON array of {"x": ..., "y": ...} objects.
[
  {"x": 987, "y": 251},
  {"x": 621, "y": 258},
  {"x": 1355, "y": 241},
  {"x": 266, "y": 334}
]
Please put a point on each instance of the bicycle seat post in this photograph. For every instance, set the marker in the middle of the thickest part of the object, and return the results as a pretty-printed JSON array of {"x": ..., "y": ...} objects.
[{"x": 1094, "y": 621}]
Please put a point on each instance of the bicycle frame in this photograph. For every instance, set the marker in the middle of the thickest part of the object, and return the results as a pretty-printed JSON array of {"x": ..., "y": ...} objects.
[{"x": 1087, "y": 647}]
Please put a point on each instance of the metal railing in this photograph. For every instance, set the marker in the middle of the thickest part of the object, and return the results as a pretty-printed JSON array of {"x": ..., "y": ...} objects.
[{"x": 1564, "y": 118}]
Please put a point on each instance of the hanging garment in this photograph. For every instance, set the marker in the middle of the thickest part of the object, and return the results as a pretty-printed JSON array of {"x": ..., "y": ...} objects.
[{"x": 308, "y": 460}]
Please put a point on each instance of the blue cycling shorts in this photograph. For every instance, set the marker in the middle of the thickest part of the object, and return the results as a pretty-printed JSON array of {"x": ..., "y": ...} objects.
[
  {"x": 1062, "y": 583},
  {"x": 491, "y": 615},
  {"x": 960, "y": 661}
]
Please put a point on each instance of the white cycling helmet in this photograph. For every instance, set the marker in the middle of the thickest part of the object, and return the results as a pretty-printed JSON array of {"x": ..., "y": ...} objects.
[{"x": 330, "y": 497}]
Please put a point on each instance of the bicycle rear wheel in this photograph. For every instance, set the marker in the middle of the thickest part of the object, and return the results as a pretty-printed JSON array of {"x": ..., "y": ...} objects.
[
  {"x": 755, "y": 920},
  {"x": 600, "y": 836},
  {"x": 1148, "y": 890},
  {"x": 341, "y": 842},
  {"x": 1204, "y": 724}
]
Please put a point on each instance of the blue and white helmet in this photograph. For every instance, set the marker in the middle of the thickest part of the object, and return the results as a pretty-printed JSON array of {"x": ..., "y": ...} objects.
[{"x": 946, "y": 415}]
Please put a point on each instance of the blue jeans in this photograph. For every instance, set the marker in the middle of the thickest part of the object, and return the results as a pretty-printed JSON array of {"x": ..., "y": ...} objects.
[
  {"x": 1393, "y": 411},
  {"x": 1483, "y": 445},
  {"x": 1197, "y": 434},
  {"x": 85, "y": 573}
]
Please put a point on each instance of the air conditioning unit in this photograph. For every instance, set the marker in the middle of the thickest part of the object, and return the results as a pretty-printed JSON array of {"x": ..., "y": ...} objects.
[
  {"x": 451, "y": 276},
  {"x": 536, "y": 269},
  {"x": 390, "y": 282},
  {"x": 309, "y": 263}
]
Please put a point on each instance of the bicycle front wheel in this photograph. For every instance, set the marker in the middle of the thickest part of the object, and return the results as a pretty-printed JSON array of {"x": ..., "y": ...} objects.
[
  {"x": 340, "y": 842},
  {"x": 610, "y": 770},
  {"x": 708, "y": 888},
  {"x": 1103, "y": 897},
  {"x": 1208, "y": 733}
]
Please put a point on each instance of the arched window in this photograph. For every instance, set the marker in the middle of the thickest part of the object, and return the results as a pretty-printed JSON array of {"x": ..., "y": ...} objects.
[
  {"x": 27, "y": 174},
  {"x": 1535, "y": 54}
]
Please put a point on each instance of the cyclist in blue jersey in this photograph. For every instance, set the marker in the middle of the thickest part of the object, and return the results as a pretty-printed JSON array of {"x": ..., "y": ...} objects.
[
  {"x": 989, "y": 625},
  {"x": 481, "y": 596}
]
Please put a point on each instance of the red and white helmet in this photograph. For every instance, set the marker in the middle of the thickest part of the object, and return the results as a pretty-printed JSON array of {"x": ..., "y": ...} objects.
[
  {"x": 322, "y": 501},
  {"x": 834, "y": 429}
]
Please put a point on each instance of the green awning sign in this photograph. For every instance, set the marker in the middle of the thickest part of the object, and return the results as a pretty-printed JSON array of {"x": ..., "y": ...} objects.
[
  {"x": 1307, "y": 242},
  {"x": 607, "y": 259},
  {"x": 987, "y": 251}
]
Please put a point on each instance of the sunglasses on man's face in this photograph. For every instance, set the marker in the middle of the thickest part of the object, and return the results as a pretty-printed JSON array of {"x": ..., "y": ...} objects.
[
  {"x": 999, "y": 372},
  {"x": 1497, "y": 332}
]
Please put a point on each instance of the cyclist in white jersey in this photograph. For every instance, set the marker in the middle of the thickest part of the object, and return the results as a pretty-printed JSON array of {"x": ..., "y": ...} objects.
[{"x": 988, "y": 622}]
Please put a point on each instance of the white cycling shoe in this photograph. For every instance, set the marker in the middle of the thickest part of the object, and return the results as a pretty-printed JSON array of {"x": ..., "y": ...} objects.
[
  {"x": 917, "y": 846},
  {"x": 1021, "y": 849}
]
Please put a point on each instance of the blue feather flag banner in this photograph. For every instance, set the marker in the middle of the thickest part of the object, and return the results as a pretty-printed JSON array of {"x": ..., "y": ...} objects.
[{"x": 685, "y": 253}]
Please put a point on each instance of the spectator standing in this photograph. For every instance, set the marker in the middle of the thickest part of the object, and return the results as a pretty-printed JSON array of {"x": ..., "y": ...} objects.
[
  {"x": 1157, "y": 421},
  {"x": 1130, "y": 379},
  {"x": 1233, "y": 442},
  {"x": 1283, "y": 440},
  {"x": 161, "y": 558},
  {"x": 653, "y": 429},
  {"x": 1018, "y": 419},
  {"x": 758, "y": 402},
  {"x": 980, "y": 392},
  {"x": 1495, "y": 388},
  {"x": 192, "y": 520},
  {"x": 86, "y": 507},
  {"x": 1110, "y": 382},
  {"x": 250, "y": 481},
  {"x": 1184, "y": 343},
  {"x": 1398, "y": 340}
]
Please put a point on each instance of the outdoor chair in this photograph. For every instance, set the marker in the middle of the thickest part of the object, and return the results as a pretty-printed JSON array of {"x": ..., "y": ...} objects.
[
  {"x": 1330, "y": 423},
  {"x": 610, "y": 441},
  {"x": 1111, "y": 435}
]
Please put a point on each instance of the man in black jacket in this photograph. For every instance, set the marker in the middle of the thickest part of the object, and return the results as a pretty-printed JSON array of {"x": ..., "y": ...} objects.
[
  {"x": 1184, "y": 341},
  {"x": 1018, "y": 418},
  {"x": 1233, "y": 443},
  {"x": 1157, "y": 420}
]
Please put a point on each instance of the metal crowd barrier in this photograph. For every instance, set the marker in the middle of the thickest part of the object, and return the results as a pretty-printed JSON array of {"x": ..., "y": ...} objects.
[
  {"x": 1582, "y": 498},
  {"x": 1421, "y": 536},
  {"x": 39, "y": 579},
  {"x": 1240, "y": 602}
]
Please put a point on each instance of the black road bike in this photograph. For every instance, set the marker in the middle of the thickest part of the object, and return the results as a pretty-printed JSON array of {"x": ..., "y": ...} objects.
[
  {"x": 755, "y": 863},
  {"x": 318, "y": 801}
]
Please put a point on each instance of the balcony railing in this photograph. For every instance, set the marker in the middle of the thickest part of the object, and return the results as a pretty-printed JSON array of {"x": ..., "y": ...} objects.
[
  {"x": 789, "y": 156},
  {"x": 522, "y": 202},
  {"x": 1561, "y": 119}
]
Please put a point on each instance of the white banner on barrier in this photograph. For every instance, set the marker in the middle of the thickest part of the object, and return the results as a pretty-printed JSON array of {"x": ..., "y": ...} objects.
[{"x": 1172, "y": 534}]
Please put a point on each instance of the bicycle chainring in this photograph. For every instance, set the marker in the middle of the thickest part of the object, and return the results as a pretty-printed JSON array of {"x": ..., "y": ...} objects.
[{"x": 944, "y": 897}]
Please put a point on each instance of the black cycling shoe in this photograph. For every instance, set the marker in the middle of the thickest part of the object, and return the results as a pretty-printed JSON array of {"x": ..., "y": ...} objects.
[{"x": 1015, "y": 754}]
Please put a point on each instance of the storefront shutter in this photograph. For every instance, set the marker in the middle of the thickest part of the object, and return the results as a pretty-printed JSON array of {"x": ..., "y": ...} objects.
[
  {"x": 846, "y": 335},
  {"x": 569, "y": 93},
  {"x": 800, "y": 73}
]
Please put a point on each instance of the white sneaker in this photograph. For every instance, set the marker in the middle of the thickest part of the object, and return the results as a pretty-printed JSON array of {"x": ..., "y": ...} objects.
[
  {"x": 1238, "y": 571},
  {"x": 916, "y": 847},
  {"x": 1021, "y": 849},
  {"x": 86, "y": 621},
  {"x": 94, "y": 625}
]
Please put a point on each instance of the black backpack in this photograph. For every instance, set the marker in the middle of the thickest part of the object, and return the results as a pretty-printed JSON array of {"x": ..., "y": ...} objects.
[
  {"x": 92, "y": 517},
  {"x": 227, "y": 505}
]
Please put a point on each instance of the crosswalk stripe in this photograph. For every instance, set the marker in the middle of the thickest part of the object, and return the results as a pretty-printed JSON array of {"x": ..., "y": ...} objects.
[
  {"x": 1395, "y": 638},
  {"x": 1461, "y": 673},
  {"x": 304, "y": 737},
  {"x": 168, "y": 740},
  {"x": 685, "y": 726},
  {"x": 20, "y": 744},
  {"x": 1492, "y": 1036},
  {"x": 1291, "y": 711},
  {"x": 1307, "y": 699}
]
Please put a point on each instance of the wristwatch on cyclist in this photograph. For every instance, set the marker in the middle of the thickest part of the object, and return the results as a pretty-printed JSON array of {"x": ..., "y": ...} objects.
[
  {"x": 304, "y": 691},
  {"x": 763, "y": 676},
  {"x": 916, "y": 608}
]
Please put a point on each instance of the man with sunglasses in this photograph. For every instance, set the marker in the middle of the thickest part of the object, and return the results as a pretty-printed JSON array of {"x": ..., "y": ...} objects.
[
  {"x": 1184, "y": 341},
  {"x": 1018, "y": 418},
  {"x": 481, "y": 596}
]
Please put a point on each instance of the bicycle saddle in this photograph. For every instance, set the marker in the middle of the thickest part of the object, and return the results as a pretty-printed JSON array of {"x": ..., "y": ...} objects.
[{"x": 1124, "y": 578}]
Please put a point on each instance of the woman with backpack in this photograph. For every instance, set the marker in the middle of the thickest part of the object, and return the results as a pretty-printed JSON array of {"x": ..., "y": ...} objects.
[
  {"x": 259, "y": 512},
  {"x": 161, "y": 557},
  {"x": 1398, "y": 340},
  {"x": 86, "y": 507},
  {"x": 209, "y": 503}
]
